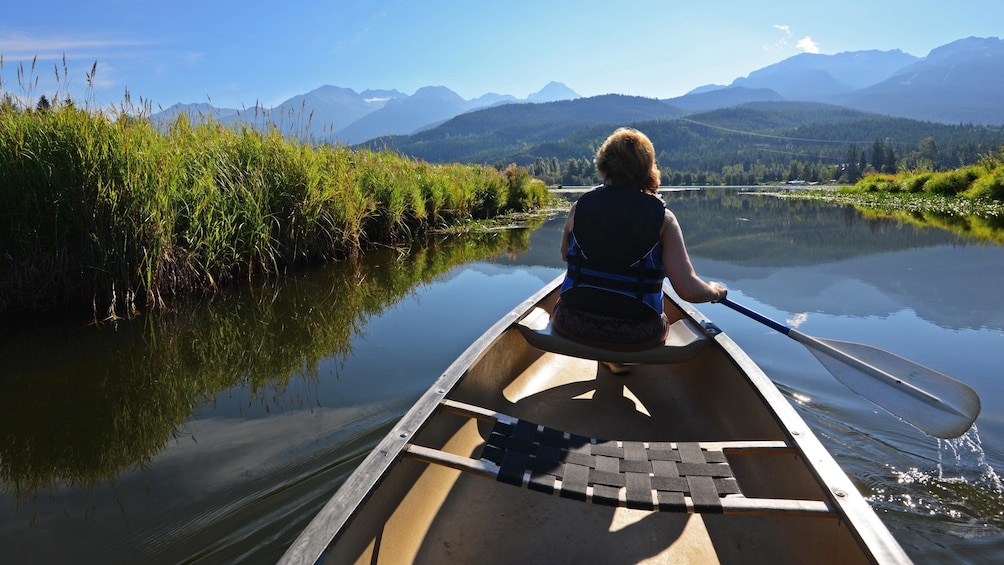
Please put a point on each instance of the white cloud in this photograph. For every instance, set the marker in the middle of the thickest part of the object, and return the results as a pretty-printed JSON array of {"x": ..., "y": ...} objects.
[
  {"x": 782, "y": 42},
  {"x": 798, "y": 319},
  {"x": 19, "y": 46},
  {"x": 807, "y": 45}
]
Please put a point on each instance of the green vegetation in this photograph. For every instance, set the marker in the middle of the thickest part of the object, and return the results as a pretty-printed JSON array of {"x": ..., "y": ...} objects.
[
  {"x": 748, "y": 146},
  {"x": 756, "y": 143},
  {"x": 968, "y": 201},
  {"x": 982, "y": 181},
  {"x": 979, "y": 219},
  {"x": 113, "y": 212}
]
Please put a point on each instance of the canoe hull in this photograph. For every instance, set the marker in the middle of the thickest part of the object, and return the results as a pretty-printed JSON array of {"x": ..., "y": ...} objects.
[{"x": 397, "y": 509}]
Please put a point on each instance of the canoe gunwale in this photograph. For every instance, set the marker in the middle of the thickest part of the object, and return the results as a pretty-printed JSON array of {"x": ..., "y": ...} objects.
[
  {"x": 863, "y": 522},
  {"x": 842, "y": 496},
  {"x": 324, "y": 529}
]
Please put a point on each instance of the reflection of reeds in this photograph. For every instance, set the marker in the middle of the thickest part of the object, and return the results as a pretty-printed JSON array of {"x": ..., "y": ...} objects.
[
  {"x": 986, "y": 228},
  {"x": 108, "y": 402},
  {"x": 88, "y": 202}
]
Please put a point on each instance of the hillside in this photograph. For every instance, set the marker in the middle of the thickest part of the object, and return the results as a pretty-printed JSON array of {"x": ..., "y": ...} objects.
[
  {"x": 752, "y": 143},
  {"x": 962, "y": 82},
  {"x": 809, "y": 76},
  {"x": 492, "y": 134}
]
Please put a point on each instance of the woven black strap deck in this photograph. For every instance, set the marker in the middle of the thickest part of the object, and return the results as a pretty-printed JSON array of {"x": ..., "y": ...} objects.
[
  {"x": 665, "y": 476},
  {"x": 602, "y": 472}
]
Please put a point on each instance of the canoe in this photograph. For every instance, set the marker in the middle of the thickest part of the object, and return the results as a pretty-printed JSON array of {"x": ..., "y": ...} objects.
[{"x": 528, "y": 449}]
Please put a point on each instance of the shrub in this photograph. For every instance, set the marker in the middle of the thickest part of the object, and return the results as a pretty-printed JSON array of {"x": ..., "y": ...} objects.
[
  {"x": 525, "y": 192},
  {"x": 989, "y": 186},
  {"x": 952, "y": 183},
  {"x": 916, "y": 182},
  {"x": 878, "y": 183}
]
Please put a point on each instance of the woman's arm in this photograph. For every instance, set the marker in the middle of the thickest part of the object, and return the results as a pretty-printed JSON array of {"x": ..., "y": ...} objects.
[
  {"x": 676, "y": 262},
  {"x": 567, "y": 232}
]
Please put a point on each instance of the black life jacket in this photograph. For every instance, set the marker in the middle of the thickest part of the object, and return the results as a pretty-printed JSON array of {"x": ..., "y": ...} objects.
[{"x": 615, "y": 245}]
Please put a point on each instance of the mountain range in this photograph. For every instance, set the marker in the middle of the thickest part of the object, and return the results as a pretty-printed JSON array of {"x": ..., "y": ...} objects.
[{"x": 958, "y": 83}]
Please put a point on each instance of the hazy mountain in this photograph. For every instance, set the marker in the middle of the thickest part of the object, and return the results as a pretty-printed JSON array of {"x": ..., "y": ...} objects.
[
  {"x": 194, "y": 111},
  {"x": 483, "y": 135},
  {"x": 324, "y": 110},
  {"x": 344, "y": 116},
  {"x": 707, "y": 88},
  {"x": 957, "y": 83},
  {"x": 553, "y": 92},
  {"x": 722, "y": 97},
  {"x": 962, "y": 82},
  {"x": 492, "y": 99},
  {"x": 429, "y": 107},
  {"x": 820, "y": 77},
  {"x": 378, "y": 95},
  {"x": 406, "y": 115}
]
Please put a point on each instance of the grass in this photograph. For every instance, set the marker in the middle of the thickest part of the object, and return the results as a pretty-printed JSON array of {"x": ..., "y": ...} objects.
[
  {"x": 968, "y": 201},
  {"x": 984, "y": 181},
  {"x": 112, "y": 212}
]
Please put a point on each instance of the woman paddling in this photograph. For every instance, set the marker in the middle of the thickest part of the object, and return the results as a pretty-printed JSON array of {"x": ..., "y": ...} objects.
[{"x": 619, "y": 243}]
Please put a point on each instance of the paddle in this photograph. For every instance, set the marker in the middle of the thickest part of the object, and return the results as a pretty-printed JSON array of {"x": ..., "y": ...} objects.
[{"x": 930, "y": 401}]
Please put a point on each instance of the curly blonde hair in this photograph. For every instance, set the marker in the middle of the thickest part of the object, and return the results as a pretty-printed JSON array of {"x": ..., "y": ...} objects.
[{"x": 627, "y": 159}]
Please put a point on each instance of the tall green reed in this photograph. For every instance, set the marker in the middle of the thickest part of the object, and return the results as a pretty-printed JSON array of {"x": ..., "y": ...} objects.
[{"x": 114, "y": 212}]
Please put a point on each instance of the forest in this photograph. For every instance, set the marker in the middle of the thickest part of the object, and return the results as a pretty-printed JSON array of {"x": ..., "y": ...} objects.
[{"x": 757, "y": 143}]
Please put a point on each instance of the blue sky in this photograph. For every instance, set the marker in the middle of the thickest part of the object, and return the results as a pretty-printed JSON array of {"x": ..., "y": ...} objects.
[{"x": 235, "y": 54}]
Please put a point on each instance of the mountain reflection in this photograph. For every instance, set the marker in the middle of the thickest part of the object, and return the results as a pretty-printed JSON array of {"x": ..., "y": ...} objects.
[
  {"x": 803, "y": 255},
  {"x": 838, "y": 260}
]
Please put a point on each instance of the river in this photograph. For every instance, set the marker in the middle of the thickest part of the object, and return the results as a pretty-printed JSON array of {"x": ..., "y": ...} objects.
[{"x": 212, "y": 433}]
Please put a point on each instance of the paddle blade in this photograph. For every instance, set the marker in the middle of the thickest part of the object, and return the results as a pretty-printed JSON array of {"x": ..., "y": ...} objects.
[{"x": 931, "y": 401}]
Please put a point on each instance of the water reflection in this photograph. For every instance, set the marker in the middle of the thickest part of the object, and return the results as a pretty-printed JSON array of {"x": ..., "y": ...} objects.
[
  {"x": 215, "y": 432},
  {"x": 81, "y": 405},
  {"x": 980, "y": 228},
  {"x": 799, "y": 254}
]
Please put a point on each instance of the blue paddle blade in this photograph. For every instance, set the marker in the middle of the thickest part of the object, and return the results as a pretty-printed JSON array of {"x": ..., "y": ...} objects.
[{"x": 930, "y": 401}]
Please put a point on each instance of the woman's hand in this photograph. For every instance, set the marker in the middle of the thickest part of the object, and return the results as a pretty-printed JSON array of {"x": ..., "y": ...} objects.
[{"x": 719, "y": 290}]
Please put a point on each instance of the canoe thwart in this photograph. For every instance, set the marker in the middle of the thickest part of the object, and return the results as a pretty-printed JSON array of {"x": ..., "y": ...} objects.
[
  {"x": 690, "y": 477},
  {"x": 684, "y": 342}
]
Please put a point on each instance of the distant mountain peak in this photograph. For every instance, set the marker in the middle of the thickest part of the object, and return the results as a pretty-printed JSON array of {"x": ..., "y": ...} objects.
[
  {"x": 957, "y": 82},
  {"x": 707, "y": 88},
  {"x": 553, "y": 92},
  {"x": 372, "y": 94},
  {"x": 970, "y": 46}
]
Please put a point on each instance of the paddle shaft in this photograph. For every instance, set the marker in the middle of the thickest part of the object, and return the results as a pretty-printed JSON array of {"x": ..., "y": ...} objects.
[{"x": 756, "y": 316}]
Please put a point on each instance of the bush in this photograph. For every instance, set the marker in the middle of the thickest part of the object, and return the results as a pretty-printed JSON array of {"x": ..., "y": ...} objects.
[
  {"x": 877, "y": 183},
  {"x": 952, "y": 183},
  {"x": 916, "y": 182},
  {"x": 989, "y": 186},
  {"x": 525, "y": 192}
]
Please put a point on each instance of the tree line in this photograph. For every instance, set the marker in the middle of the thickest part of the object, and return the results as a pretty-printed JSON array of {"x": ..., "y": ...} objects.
[
  {"x": 753, "y": 144},
  {"x": 757, "y": 167}
]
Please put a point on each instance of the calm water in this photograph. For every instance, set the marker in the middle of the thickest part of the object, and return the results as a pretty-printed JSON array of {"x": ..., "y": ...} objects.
[{"x": 213, "y": 433}]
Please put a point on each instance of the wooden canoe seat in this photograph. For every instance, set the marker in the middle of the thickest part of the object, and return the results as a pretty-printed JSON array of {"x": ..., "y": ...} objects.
[
  {"x": 684, "y": 342},
  {"x": 692, "y": 477}
]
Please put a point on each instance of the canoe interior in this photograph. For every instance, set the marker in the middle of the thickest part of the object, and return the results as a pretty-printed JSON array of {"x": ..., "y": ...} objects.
[{"x": 427, "y": 513}]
